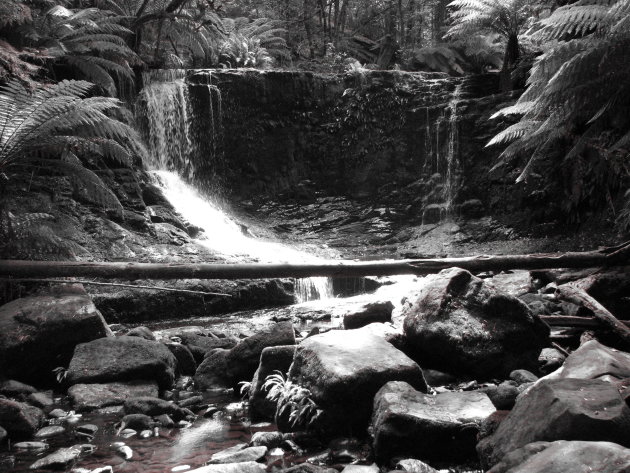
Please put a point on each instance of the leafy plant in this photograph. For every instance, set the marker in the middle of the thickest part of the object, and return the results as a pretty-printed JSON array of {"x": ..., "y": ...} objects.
[
  {"x": 54, "y": 126},
  {"x": 293, "y": 400},
  {"x": 90, "y": 41},
  {"x": 578, "y": 93},
  {"x": 244, "y": 389},
  {"x": 506, "y": 18},
  {"x": 254, "y": 43},
  {"x": 60, "y": 374}
]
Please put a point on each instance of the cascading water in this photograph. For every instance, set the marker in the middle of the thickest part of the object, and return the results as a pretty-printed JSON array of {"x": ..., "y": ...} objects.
[
  {"x": 452, "y": 152},
  {"x": 165, "y": 106}
]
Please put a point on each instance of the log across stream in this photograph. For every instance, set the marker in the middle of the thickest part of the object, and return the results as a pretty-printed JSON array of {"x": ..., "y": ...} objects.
[{"x": 117, "y": 270}]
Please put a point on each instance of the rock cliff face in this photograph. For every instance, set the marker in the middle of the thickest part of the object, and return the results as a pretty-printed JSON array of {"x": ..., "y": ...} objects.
[{"x": 395, "y": 136}]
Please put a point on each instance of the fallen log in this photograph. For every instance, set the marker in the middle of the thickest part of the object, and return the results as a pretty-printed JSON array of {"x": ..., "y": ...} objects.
[
  {"x": 575, "y": 321},
  {"x": 576, "y": 295},
  {"x": 132, "y": 271}
]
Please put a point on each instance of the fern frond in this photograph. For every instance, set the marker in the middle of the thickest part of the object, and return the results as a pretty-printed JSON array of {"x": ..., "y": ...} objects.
[{"x": 514, "y": 132}]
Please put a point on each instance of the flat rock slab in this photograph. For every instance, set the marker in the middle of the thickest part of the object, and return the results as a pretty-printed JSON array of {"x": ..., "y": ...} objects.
[
  {"x": 566, "y": 457},
  {"x": 50, "y": 431},
  {"x": 122, "y": 359},
  {"x": 60, "y": 459},
  {"x": 408, "y": 423},
  {"x": 344, "y": 369},
  {"x": 239, "y": 455},
  {"x": 593, "y": 360},
  {"x": 87, "y": 397},
  {"x": 245, "y": 467},
  {"x": 560, "y": 409}
]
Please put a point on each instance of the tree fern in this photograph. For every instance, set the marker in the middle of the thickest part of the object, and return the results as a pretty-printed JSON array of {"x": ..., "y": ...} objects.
[
  {"x": 91, "y": 41},
  {"x": 54, "y": 125},
  {"x": 578, "y": 91}
]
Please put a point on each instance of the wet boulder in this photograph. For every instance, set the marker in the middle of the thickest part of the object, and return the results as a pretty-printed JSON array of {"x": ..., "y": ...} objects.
[
  {"x": 59, "y": 460},
  {"x": 566, "y": 457},
  {"x": 560, "y": 409},
  {"x": 592, "y": 360},
  {"x": 368, "y": 313},
  {"x": 271, "y": 359},
  {"x": 212, "y": 372},
  {"x": 122, "y": 359},
  {"x": 460, "y": 324},
  {"x": 186, "y": 363},
  {"x": 87, "y": 397},
  {"x": 154, "y": 406},
  {"x": 344, "y": 369},
  {"x": 409, "y": 423},
  {"x": 229, "y": 367},
  {"x": 39, "y": 333},
  {"x": 238, "y": 454},
  {"x": 20, "y": 419}
]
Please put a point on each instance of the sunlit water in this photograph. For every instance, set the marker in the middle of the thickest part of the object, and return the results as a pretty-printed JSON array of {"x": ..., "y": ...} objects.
[{"x": 228, "y": 238}]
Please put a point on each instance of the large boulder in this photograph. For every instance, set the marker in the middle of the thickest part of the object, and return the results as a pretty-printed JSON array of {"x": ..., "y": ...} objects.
[
  {"x": 19, "y": 419},
  {"x": 566, "y": 457},
  {"x": 408, "y": 423},
  {"x": 460, "y": 324},
  {"x": 592, "y": 360},
  {"x": 87, "y": 397},
  {"x": 344, "y": 369},
  {"x": 122, "y": 359},
  {"x": 39, "y": 333},
  {"x": 560, "y": 409},
  {"x": 229, "y": 367},
  {"x": 271, "y": 359}
]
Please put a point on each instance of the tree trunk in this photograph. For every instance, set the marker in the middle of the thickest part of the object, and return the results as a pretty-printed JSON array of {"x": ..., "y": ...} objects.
[
  {"x": 130, "y": 271},
  {"x": 575, "y": 295},
  {"x": 512, "y": 53}
]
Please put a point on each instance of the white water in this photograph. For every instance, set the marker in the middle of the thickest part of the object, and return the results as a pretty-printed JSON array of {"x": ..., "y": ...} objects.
[{"x": 167, "y": 110}]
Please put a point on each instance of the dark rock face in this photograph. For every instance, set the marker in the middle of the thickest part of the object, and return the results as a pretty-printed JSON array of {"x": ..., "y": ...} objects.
[
  {"x": 562, "y": 409},
  {"x": 592, "y": 360},
  {"x": 39, "y": 333},
  {"x": 367, "y": 314},
  {"x": 566, "y": 457},
  {"x": 240, "y": 363},
  {"x": 87, "y": 397},
  {"x": 122, "y": 359},
  {"x": 271, "y": 359},
  {"x": 344, "y": 369},
  {"x": 461, "y": 325},
  {"x": 19, "y": 419},
  {"x": 408, "y": 423}
]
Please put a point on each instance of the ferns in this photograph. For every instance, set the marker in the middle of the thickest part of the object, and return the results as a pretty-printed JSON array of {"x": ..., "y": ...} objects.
[
  {"x": 293, "y": 400},
  {"x": 578, "y": 90},
  {"x": 252, "y": 44},
  {"x": 54, "y": 125}
]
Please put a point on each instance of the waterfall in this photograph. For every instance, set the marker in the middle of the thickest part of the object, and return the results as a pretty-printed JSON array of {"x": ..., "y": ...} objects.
[
  {"x": 165, "y": 109},
  {"x": 451, "y": 183}
]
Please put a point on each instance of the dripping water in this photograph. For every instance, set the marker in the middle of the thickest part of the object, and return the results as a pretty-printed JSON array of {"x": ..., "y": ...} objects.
[{"x": 452, "y": 152}]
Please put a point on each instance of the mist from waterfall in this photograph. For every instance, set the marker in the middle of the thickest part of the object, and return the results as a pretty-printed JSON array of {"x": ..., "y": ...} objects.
[{"x": 164, "y": 105}]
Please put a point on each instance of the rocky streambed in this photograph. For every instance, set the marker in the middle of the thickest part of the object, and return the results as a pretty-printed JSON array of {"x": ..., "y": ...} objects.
[{"x": 453, "y": 371}]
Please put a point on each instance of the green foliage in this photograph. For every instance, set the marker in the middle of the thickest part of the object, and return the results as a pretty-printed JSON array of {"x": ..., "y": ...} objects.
[
  {"x": 578, "y": 93},
  {"x": 171, "y": 33},
  {"x": 504, "y": 17},
  {"x": 293, "y": 400},
  {"x": 54, "y": 125},
  {"x": 254, "y": 43},
  {"x": 90, "y": 41},
  {"x": 13, "y": 13}
]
